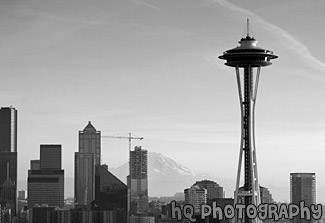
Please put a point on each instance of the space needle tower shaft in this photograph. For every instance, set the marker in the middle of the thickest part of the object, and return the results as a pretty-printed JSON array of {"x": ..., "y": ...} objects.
[{"x": 247, "y": 59}]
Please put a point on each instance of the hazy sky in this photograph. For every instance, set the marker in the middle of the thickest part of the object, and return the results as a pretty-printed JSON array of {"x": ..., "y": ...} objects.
[{"x": 150, "y": 67}]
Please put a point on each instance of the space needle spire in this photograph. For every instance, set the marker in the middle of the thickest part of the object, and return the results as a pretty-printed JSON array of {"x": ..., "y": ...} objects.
[
  {"x": 247, "y": 59},
  {"x": 247, "y": 27}
]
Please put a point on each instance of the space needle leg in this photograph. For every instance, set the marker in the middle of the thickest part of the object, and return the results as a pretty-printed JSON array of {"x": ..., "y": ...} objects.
[{"x": 241, "y": 140}]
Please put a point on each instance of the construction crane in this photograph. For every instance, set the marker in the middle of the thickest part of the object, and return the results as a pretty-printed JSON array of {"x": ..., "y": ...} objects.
[{"x": 130, "y": 137}]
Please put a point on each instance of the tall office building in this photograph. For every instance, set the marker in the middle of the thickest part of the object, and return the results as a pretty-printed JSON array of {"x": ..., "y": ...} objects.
[
  {"x": 8, "y": 158},
  {"x": 302, "y": 188},
  {"x": 137, "y": 181},
  {"x": 87, "y": 161},
  {"x": 214, "y": 190},
  {"x": 46, "y": 178}
]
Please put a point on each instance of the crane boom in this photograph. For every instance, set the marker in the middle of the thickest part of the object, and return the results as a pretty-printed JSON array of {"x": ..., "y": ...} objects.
[{"x": 130, "y": 137}]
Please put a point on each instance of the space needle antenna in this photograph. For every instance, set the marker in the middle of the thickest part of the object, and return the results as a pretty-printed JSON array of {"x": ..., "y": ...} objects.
[{"x": 247, "y": 27}]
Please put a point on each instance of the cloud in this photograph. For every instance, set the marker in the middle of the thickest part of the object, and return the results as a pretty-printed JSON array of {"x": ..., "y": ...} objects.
[
  {"x": 149, "y": 5},
  {"x": 284, "y": 37}
]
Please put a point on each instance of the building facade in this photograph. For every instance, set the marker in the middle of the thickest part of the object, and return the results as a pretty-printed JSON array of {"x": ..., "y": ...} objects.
[
  {"x": 50, "y": 157},
  {"x": 142, "y": 219},
  {"x": 214, "y": 190},
  {"x": 195, "y": 196},
  {"x": 266, "y": 196},
  {"x": 52, "y": 215},
  {"x": 8, "y": 158},
  {"x": 137, "y": 181},
  {"x": 45, "y": 184},
  {"x": 87, "y": 159},
  {"x": 302, "y": 188}
]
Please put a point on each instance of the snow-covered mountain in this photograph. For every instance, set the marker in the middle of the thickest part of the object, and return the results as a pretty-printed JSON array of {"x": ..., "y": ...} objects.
[{"x": 166, "y": 176}]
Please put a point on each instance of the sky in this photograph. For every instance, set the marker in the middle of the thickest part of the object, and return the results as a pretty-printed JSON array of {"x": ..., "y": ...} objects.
[{"x": 151, "y": 67}]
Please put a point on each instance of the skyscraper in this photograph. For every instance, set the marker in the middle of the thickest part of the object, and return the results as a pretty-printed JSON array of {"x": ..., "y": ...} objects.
[
  {"x": 46, "y": 181},
  {"x": 137, "y": 181},
  {"x": 8, "y": 157},
  {"x": 302, "y": 188},
  {"x": 87, "y": 160}
]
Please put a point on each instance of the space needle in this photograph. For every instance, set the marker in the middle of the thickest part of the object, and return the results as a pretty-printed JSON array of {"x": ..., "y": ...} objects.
[{"x": 247, "y": 59}]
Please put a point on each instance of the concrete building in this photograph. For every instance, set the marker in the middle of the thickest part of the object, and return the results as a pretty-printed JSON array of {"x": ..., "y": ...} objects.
[
  {"x": 46, "y": 185},
  {"x": 137, "y": 181},
  {"x": 8, "y": 158},
  {"x": 214, "y": 190},
  {"x": 86, "y": 160},
  {"x": 195, "y": 196}
]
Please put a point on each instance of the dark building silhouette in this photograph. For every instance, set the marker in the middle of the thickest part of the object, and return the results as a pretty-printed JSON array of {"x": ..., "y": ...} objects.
[
  {"x": 111, "y": 194},
  {"x": 5, "y": 214},
  {"x": 266, "y": 196},
  {"x": 302, "y": 188},
  {"x": 8, "y": 192},
  {"x": 42, "y": 215},
  {"x": 50, "y": 157},
  {"x": 46, "y": 181},
  {"x": 8, "y": 158},
  {"x": 93, "y": 216},
  {"x": 87, "y": 160},
  {"x": 35, "y": 164},
  {"x": 77, "y": 215}
]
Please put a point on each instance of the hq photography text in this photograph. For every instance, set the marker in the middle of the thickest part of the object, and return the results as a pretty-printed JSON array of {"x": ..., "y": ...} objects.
[{"x": 262, "y": 211}]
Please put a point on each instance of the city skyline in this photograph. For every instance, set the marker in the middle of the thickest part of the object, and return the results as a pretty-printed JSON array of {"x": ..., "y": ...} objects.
[{"x": 152, "y": 69}]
